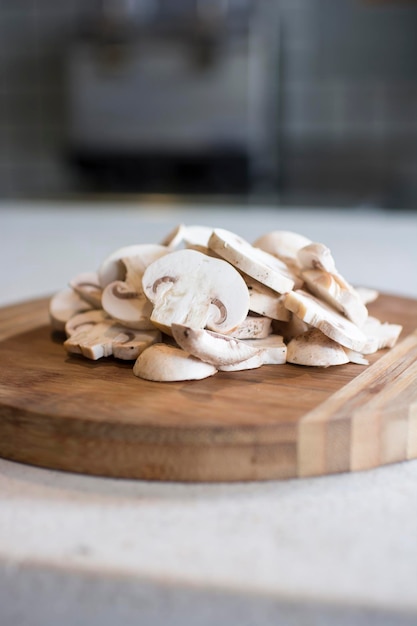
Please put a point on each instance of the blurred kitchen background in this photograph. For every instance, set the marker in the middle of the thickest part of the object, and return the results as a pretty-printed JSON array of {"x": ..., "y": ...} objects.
[{"x": 301, "y": 101}]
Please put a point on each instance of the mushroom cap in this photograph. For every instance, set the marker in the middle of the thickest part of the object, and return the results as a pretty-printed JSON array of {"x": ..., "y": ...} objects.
[
  {"x": 261, "y": 265},
  {"x": 113, "y": 268},
  {"x": 166, "y": 363},
  {"x": 315, "y": 349},
  {"x": 191, "y": 288}
]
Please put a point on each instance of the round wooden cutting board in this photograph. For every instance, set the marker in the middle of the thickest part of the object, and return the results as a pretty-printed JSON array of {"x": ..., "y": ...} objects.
[{"x": 68, "y": 413}]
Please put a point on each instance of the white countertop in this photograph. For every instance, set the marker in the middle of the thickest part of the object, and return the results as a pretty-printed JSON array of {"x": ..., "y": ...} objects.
[{"x": 79, "y": 550}]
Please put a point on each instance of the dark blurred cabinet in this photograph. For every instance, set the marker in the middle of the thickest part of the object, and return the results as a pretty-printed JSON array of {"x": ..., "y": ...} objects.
[{"x": 176, "y": 100}]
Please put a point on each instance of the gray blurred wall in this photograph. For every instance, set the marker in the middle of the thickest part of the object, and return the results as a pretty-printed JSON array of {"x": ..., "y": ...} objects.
[{"x": 347, "y": 106}]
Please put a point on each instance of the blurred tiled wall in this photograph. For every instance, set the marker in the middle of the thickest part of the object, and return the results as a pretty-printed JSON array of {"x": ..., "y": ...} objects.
[
  {"x": 349, "y": 100},
  {"x": 347, "y": 111},
  {"x": 33, "y": 39}
]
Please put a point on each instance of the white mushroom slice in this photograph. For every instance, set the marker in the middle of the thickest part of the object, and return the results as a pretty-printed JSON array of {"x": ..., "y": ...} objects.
[
  {"x": 325, "y": 286},
  {"x": 212, "y": 347},
  {"x": 128, "y": 307},
  {"x": 272, "y": 348},
  {"x": 253, "y": 327},
  {"x": 258, "y": 264},
  {"x": 315, "y": 349},
  {"x": 125, "y": 301},
  {"x": 356, "y": 357},
  {"x": 316, "y": 256},
  {"x": 83, "y": 321},
  {"x": 114, "y": 266},
  {"x": 249, "y": 364},
  {"x": 294, "y": 327},
  {"x": 265, "y": 301},
  {"x": 321, "y": 316},
  {"x": 270, "y": 351},
  {"x": 106, "y": 337},
  {"x": 87, "y": 286},
  {"x": 190, "y": 288},
  {"x": 64, "y": 305},
  {"x": 367, "y": 294},
  {"x": 93, "y": 341},
  {"x": 175, "y": 237},
  {"x": 194, "y": 237},
  {"x": 379, "y": 335},
  {"x": 165, "y": 363},
  {"x": 129, "y": 344},
  {"x": 283, "y": 244},
  {"x": 197, "y": 237}
]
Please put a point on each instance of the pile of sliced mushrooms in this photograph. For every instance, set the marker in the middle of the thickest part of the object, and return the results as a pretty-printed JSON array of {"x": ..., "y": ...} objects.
[{"x": 205, "y": 300}]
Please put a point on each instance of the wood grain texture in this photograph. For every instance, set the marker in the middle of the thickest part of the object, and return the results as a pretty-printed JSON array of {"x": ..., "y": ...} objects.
[{"x": 66, "y": 412}]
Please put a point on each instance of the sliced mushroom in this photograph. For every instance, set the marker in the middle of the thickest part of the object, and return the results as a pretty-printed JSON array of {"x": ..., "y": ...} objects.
[
  {"x": 284, "y": 245},
  {"x": 315, "y": 349},
  {"x": 356, "y": 357},
  {"x": 95, "y": 336},
  {"x": 272, "y": 349},
  {"x": 258, "y": 264},
  {"x": 93, "y": 341},
  {"x": 114, "y": 266},
  {"x": 129, "y": 344},
  {"x": 197, "y": 238},
  {"x": 194, "y": 237},
  {"x": 87, "y": 286},
  {"x": 125, "y": 305},
  {"x": 125, "y": 301},
  {"x": 321, "y": 316},
  {"x": 212, "y": 347},
  {"x": 165, "y": 363},
  {"x": 338, "y": 291},
  {"x": 248, "y": 364},
  {"x": 265, "y": 301},
  {"x": 83, "y": 321},
  {"x": 191, "y": 288},
  {"x": 64, "y": 305},
  {"x": 347, "y": 301},
  {"x": 253, "y": 327},
  {"x": 175, "y": 237},
  {"x": 379, "y": 335},
  {"x": 294, "y": 327},
  {"x": 316, "y": 256},
  {"x": 366, "y": 294}
]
